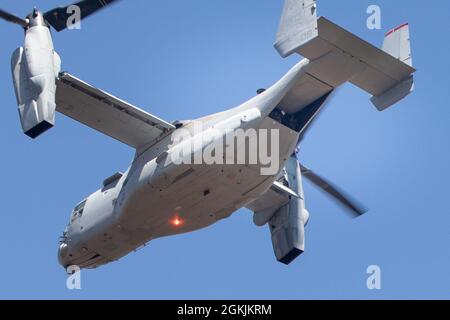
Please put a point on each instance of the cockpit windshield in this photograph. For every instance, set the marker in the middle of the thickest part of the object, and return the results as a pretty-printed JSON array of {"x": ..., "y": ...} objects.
[{"x": 78, "y": 211}]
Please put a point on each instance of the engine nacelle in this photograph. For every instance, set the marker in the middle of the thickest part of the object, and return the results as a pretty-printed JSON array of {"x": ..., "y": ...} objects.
[
  {"x": 35, "y": 68},
  {"x": 287, "y": 226},
  {"x": 305, "y": 217}
]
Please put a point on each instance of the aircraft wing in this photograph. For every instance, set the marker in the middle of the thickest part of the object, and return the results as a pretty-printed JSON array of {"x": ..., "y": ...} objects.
[
  {"x": 267, "y": 205},
  {"x": 108, "y": 114}
]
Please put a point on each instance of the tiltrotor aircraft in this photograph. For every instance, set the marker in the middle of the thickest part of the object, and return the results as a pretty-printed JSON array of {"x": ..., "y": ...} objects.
[{"x": 158, "y": 195}]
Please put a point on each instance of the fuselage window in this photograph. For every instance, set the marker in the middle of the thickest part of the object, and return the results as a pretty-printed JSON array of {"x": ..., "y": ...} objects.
[{"x": 78, "y": 211}]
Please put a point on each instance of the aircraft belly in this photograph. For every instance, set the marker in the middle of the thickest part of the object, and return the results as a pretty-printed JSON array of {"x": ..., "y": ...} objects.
[
  {"x": 201, "y": 196},
  {"x": 207, "y": 195}
]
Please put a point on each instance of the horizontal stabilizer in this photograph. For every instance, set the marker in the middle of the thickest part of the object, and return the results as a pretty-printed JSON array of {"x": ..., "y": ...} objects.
[{"x": 337, "y": 56}]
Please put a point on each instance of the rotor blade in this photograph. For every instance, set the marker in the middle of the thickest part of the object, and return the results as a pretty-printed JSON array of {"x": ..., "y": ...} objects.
[
  {"x": 354, "y": 207},
  {"x": 12, "y": 18},
  {"x": 59, "y": 17}
]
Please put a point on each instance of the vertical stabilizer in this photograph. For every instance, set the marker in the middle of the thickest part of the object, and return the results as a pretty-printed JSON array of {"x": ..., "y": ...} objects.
[
  {"x": 298, "y": 25},
  {"x": 398, "y": 44}
]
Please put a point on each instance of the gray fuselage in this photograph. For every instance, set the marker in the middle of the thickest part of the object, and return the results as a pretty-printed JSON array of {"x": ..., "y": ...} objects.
[{"x": 157, "y": 198}]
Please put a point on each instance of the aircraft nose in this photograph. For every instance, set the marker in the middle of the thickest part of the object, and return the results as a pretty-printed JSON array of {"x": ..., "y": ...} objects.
[{"x": 62, "y": 254}]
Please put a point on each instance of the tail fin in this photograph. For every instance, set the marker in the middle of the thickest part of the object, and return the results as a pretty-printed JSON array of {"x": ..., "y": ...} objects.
[
  {"x": 398, "y": 44},
  {"x": 338, "y": 56},
  {"x": 298, "y": 26}
]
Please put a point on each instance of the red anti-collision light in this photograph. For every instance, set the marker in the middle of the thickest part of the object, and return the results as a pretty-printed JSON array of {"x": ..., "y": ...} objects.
[{"x": 177, "y": 222}]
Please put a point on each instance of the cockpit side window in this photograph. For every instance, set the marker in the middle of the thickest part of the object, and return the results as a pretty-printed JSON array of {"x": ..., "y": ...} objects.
[{"x": 78, "y": 211}]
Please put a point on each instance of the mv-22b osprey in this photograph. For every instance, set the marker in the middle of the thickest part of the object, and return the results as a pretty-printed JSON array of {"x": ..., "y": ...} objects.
[{"x": 159, "y": 196}]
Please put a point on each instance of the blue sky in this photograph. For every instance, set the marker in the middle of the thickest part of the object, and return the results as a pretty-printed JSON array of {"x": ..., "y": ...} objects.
[{"x": 185, "y": 59}]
